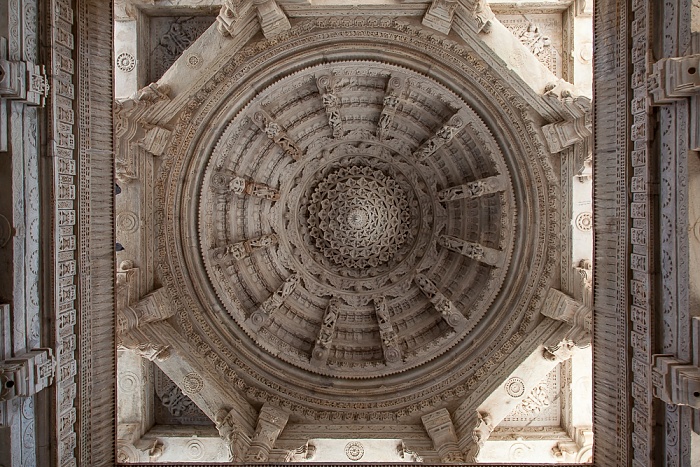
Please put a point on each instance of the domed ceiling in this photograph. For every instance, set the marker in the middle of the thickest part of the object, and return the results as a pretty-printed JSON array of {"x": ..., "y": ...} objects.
[{"x": 355, "y": 222}]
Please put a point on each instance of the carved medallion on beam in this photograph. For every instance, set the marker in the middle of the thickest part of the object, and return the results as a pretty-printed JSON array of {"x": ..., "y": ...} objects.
[
  {"x": 390, "y": 340},
  {"x": 473, "y": 250},
  {"x": 276, "y": 133},
  {"x": 441, "y": 303},
  {"x": 272, "y": 304}
]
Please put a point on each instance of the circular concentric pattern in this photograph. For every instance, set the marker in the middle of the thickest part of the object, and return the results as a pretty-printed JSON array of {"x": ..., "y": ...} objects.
[
  {"x": 358, "y": 217},
  {"x": 355, "y": 218},
  {"x": 515, "y": 387},
  {"x": 354, "y": 450}
]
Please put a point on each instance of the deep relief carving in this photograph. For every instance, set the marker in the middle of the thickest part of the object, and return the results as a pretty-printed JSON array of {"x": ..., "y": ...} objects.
[
  {"x": 394, "y": 93},
  {"x": 443, "y": 136},
  {"x": 331, "y": 102},
  {"x": 236, "y": 440},
  {"x": 243, "y": 249},
  {"x": 390, "y": 340},
  {"x": 276, "y": 133},
  {"x": 272, "y": 304},
  {"x": 319, "y": 356},
  {"x": 318, "y": 279},
  {"x": 473, "y": 189},
  {"x": 354, "y": 450}
]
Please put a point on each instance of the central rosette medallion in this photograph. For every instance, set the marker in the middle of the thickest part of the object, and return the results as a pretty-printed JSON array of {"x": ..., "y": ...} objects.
[{"x": 358, "y": 217}]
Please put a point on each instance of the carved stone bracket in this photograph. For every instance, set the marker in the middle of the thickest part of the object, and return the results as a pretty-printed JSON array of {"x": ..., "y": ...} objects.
[
  {"x": 559, "y": 306},
  {"x": 27, "y": 374},
  {"x": 443, "y": 136},
  {"x": 481, "y": 432},
  {"x": 272, "y": 19},
  {"x": 276, "y": 133},
  {"x": 155, "y": 141},
  {"x": 331, "y": 102},
  {"x": 472, "y": 250},
  {"x": 390, "y": 340},
  {"x": 319, "y": 356},
  {"x": 233, "y": 435},
  {"x": 483, "y": 16},
  {"x": 304, "y": 453},
  {"x": 271, "y": 422},
  {"x": 230, "y": 16},
  {"x": 272, "y": 304},
  {"x": 677, "y": 382},
  {"x": 439, "y": 15},
  {"x": 243, "y": 249},
  {"x": 395, "y": 89},
  {"x": 439, "y": 426},
  {"x": 22, "y": 80},
  {"x": 153, "y": 307},
  {"x": 576, "y": 128},
  {"x": 473, "y": 189},
  {"x": 441, "y": 303}
]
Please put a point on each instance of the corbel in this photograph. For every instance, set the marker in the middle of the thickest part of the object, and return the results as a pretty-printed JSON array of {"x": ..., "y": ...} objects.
[
  {"x": 271, "y": 422},
  {"x": 27, "y": 374},
  {"x": 675, "y": 79},
  {"x": 155, "y": 140},
  {"x": 561, "y": 307},
  {"x": 577, "y": 126},
  {"x": 440, "y": 14},
  {"x": 231, "y": 16},
  {"x": 677, "y": 382},
  {"x": 442, "y": 432},
  {"x": 272, "y": 19},
  {"x": 22, "y": 80}
]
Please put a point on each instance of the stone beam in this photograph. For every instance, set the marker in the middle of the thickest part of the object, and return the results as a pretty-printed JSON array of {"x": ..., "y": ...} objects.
[
  {"x": 276, "y": 133},
  {"x": 390, "y": 340},
  {"x": 331, "y": 102},
  {"x": 272, "y": 304},
  {"x": 441, "y": 430},
  {"x": 474, "y": 189},
  {"x": 271, "y": 422},
  {"x": 240, "y": 250},
  {"x": 319, "y": 355},
  {"x": 395, "y": 90},
  {"x": 192, "y": 372},
  {"x": 472, "y": 250},
  {"x": 443, "y": 136},
  {"x": 439, "y": 15},
  {"x": 442, "y": 304}
]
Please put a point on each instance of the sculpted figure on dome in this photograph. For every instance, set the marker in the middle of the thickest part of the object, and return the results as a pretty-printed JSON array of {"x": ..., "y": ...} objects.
[
  {"x": 261, "y": 190},
  {"x": 330, "y": 100},
  {"x": 382, "y": 311},
  {"x": 237, "y": 185}
]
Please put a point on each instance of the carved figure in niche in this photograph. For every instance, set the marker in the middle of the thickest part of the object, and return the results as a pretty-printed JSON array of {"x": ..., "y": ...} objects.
[
  {"x": 237, "y": 250},
  {"x": 325, "y": 336},
  {"x": 446, "y": 133},
  {"x": 427, "y": 286},
  {"x": 263, "y": 191},
  {"x": 391, "y": 100},
  {"x": 272, "y": 129},
  {"x": 264, "y": 241},
  {"x": 334, "y": 121},
  {"x": 427, "y": 149},
  {"x": 382, "y": 311},
  {"x": 384, "y": 121}
]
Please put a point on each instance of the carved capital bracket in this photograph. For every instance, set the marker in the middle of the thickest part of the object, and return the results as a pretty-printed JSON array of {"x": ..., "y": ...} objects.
[
  {"x": 481, "y": 432},
  {"x": 439, "y": 15},
  {"x": 577, "y": 127},
  {"x": 483, "y": 16},
  {"x": 319, "y": 356},
  {"x": 276, "y": 133},
  {"x": 677, "y": 382},
  {"x": 441, "y": 303},
  {"x": 155, "y": 140},
  {"x": 259, "y": 317},
  {"x": 473, "y": 189},
  {"x": 578, "y": 450},
  {"x": 231, "y": 15},
  {"x": 226, "y": 182},
  {"x": 131, "y": 137},
  {"x": 272, "y": 19},
  {"x": 304, "y": 453},
  {"x": 29, "y": 373},
  {"x": 154, "y": 307},
  {"x": 331, "y": 102},
  {"x": 23, "y": 81},
  {"x": 439, "y": 426},
  {"x": 240, "y": 250},
  {"x": 443, "y": 136},
  {"x": 271, "y": 422},
  {"x": 233, "y": 435},
  {"x": 390, "y": 340},
  {"x": 557, "y": 305},
  {"x": 472, "y": 250},
  {"x": 395, "y": 89}
]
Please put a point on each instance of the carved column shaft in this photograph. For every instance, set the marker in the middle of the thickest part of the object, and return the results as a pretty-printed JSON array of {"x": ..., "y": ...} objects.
[{"x": 443, "y": 136}]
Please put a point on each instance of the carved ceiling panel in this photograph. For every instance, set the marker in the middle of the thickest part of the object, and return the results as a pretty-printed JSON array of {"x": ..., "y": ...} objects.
[{"x": 332, "y": 222}]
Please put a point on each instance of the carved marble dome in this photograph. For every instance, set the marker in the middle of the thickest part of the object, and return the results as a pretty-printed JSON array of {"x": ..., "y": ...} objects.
[{"x": 343, "y": 217}]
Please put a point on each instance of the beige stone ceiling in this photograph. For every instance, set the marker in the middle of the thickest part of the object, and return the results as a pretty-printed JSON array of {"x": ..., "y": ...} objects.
[{"x": 357, "y": 208}]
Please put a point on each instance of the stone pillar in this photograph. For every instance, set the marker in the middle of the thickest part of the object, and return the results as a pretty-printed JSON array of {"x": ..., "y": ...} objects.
[{"x": 271, "y": 422}]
